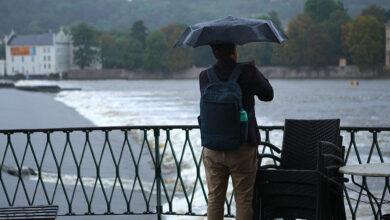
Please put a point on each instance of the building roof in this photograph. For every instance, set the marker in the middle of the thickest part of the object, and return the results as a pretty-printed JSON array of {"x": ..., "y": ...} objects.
[{"x": 32, "y": 39}]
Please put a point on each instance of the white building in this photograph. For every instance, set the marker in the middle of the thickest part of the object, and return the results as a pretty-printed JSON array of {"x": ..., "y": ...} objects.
[
  {"x": 40, "y": 54},
  {"x": 387, "y": 61},
  {"x": 2, "y": 67}
]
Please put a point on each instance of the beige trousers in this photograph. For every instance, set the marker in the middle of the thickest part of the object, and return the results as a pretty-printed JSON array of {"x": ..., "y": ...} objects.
[{"x": 240, "y": 164}]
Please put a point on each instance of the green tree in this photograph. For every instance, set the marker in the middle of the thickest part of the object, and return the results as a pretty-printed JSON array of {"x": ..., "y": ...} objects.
[
  {"x": 2, "y": 51},
  {"x": 109, "y": 54},
  {"x": 132, "y": 54},
  {"x": 320, "y": 10},
  {"x": 261, "y": 52},
  {"x": 181, "y": 57},
  {"x": 203, "y": 56},
  {"x": 319, "y": 46},
  {"x": 156, "y": 57},
  {"x": 376, "y": 11},
  {"x": 309, "y": 44},
  {"x": 333, "y": 25},
  {"x": 388, "y": 14},
  {"x": 365, "y": 41},
  {"x": 85, "y": 44},
  {"x": 139, "y": 32},
  {"x": 292, "y": 53}
]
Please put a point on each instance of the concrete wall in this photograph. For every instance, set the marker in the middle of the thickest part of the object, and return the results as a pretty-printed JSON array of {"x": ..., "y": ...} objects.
[{"x": 193, "y": 73}]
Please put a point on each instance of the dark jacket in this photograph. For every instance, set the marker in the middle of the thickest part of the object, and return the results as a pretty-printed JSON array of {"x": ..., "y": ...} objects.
[{"x": 252, "y": 83}]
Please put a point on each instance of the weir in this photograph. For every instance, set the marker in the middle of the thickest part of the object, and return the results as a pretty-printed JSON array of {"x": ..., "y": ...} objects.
[{"x": 147, "y": 170}]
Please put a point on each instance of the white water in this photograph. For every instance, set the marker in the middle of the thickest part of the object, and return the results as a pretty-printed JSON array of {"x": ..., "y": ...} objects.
[{"x": 175, "y": 102}]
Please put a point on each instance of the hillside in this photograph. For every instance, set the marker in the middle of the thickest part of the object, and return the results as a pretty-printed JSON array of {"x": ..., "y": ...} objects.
[{"x": 27, "y": 16}]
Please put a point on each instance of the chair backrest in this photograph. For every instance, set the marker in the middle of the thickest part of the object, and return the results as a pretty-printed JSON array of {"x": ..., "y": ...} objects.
[{"x": 300, "y": 141}]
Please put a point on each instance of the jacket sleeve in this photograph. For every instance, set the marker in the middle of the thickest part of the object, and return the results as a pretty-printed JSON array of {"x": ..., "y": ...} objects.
[
  {"x": 255, "y": 83},
  {"x": 203, "y": 80}
]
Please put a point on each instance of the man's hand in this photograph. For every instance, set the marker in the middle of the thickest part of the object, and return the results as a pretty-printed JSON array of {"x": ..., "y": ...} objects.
[{"x": 253, "y": 63}]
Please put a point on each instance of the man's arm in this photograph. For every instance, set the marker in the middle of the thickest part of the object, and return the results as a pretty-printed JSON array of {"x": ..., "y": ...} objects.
[
  {"x": 255, "y": 83},
  {"x": 203, "y": 80}
]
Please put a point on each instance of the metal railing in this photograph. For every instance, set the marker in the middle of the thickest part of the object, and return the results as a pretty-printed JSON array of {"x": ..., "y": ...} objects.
[{"x": 139, "y": 170}]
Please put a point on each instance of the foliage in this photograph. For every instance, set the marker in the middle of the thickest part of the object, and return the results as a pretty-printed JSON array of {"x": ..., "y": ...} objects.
[
  {"x": 132, "y": 54},
  {"x": 2, "y": 51},
  {"x": 85, "y": 44},
  {"x": 181, "y": 57},
  {"x": 203, "y": 56},
  {"x": 376, "y": 11},
  {"x": 29, "y": 16},
  {"x": 333, "y": 25},
  {"x": 109, "y": 55},
  {"x": 156, "y": 57},
  {"x": 260, "y": 52},
  {"x": 320, "y": 10},
  {"x": 365, "y": 41},
  {"x": 309, "y": 44},
  {"x": 293, "y": 54},
  {"x": 139, "y": 32}
]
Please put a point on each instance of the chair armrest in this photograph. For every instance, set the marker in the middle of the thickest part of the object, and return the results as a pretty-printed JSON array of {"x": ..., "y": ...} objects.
[
  {"x": 261, "y": 156},
  {"x": 268, "y": 166},
  {"x": 273, "y": 147},
  {"x": 336, "y": 158},
  {"x": 327, "y": 144}
]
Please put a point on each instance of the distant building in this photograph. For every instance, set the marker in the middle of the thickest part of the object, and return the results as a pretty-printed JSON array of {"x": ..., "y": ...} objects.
[
  {"x": 387, "y": 63},
  {"x": 2, "y": 67},
  {"x": 40, "y": 54}
]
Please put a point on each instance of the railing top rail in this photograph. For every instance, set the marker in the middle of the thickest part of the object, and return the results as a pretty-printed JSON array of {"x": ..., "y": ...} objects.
[{"x": 166, "y": 127}]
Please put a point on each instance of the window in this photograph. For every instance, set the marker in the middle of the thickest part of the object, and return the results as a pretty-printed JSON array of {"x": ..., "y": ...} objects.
[
  {"x": 44, "y": 66},
  {"x": 32, "y": 59},
  {"x": 48, "y": 49},
  {"x": 48, "y": 58},
  {"x": 22, "y": 58},
  {"x": 13, "y": 70},
  {"x": 48, "y": 66},
  {"x": 44, "y": 49},
  {"x": 44, "y": 58},
  {"x": 13, "y": 61}
]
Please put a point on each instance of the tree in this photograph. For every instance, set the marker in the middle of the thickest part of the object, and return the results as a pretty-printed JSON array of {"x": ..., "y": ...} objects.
[
  {"x": 109, "y": 54},
  {"x": 376, "y": 11},
  {"x": 85, "y": 44},
  {"x": 261, "y": 52},
  {"x": 365, "y": 41},
  {"x": 309, "y": 44},
  {"x": 156, "y": 57},
  {"x": 203, "y": 56},
  {"x": 292, "y": 52},
  {"x": 333, "y": 25},
  {"x": 319, "y": 46},
  {"x": 138, "y": 31},
  {"x": 181, "y": 57},
  {"x": 320, "y": 10},
  {"x": 132, "y": 54},
  {"x": 2, "y": 51}
]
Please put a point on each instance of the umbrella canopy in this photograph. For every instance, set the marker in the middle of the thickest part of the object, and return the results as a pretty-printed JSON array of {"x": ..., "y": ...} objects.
[{"x": 231, "y": 30}]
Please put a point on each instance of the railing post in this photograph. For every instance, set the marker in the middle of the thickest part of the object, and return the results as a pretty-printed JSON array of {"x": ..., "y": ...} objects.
[{"x": 158, "y": 172}]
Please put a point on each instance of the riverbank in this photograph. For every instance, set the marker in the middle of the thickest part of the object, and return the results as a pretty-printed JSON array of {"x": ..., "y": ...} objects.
[{"x": 272, "y": 72}]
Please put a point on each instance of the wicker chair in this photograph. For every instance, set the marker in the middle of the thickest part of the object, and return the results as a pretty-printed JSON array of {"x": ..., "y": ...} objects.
[
  {"x": 330, "y": 159},
  {"x": 297, "y": 187}
]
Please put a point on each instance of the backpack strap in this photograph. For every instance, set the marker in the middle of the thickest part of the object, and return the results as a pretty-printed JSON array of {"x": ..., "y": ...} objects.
[{"x": 211, "y": 75}]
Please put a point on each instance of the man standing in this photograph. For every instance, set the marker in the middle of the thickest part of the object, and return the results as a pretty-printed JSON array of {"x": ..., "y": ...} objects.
[{"x": 241, "y": 163}]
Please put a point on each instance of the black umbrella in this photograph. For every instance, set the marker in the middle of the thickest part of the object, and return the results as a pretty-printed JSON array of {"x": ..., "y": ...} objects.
[{"x": 231, "y": 30}]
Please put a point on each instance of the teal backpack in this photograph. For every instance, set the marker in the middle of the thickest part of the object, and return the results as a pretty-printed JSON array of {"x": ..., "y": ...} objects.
[{"x": 223, "y": 122}]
